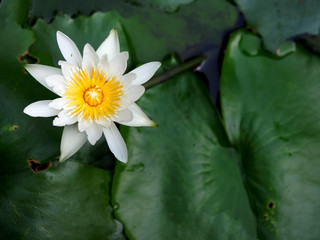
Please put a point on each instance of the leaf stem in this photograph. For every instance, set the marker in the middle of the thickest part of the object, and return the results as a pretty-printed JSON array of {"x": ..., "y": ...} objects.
[{"x": 188, "y": 65}]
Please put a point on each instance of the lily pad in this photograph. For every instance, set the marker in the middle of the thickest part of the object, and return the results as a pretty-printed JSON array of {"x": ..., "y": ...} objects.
[
  {"x": 20, "y": 136},
  {"x": 271, "y": 110},
  {"x": 68, "y": 201},
  {"x": 15, "y": 11},
  {"x": 182, "y": 180},
  {"x": 278, "y": 21}
]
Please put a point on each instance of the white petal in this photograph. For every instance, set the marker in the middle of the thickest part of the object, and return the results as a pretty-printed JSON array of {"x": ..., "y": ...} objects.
[
  {"x": 140, "y": 119},
  {"x": 64, "y": 118},
  {"x": 94, "y": 133},
  {"x": 123, "y": 116},
  {"x": 118, "y": 64},
  {"x": 90, "y": 58},
  {"x": 72, "y": 140},
  {"x": 57, "y": 83},
  {"x": 110, "y": 46},
  {"x": 104, "y": 64},
  {"x": 68, "y": 69},
  {"x": 69, "y": 49},
  {"x": 40, "y": 109},
  {"x": 129, "y": 77},
  {"x": 116, "y": 143},
  {"x": 83, "y": 125},
  {"x": 104, "y": 122},
  {"x": 145, "y": 72},
  {"x": 40, "y": 72},
  {"x": 58, "y": 103},
  {"x": 135, "y": 92}
]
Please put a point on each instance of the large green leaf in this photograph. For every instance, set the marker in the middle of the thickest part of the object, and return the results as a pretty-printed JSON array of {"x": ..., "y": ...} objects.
[
  {"x": 182, "y": 180},
  {"x": 19, "y": 134},
  {"x": 196, "y": 26},
  {"x": 68, "y": 201},
  {"x": 14, "y": 11},
  {"x": 271, "y": 109},
  {"x": 277, "y": 20}
]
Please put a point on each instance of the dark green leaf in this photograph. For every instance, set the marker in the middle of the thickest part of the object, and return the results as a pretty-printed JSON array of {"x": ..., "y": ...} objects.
[
  {"x": 182, "y": 180},
  {"x": 21, "y": 137},
  {"x": 68, "y": 201},
  {"x": 14, "y": 11},
  {"x": 271, "y": 109},
  {"x": 277, "y": 20}
]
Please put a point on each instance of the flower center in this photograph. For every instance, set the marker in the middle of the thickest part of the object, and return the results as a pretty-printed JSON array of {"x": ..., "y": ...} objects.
[{"x": 93, "y": 96}]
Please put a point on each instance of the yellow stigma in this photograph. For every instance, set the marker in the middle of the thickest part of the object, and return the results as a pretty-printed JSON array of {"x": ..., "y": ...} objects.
[{"x": 93, "y": 97}]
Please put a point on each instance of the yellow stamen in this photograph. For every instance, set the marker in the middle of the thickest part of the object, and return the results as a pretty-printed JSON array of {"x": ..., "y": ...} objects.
[{"x": 93, "y": 97}]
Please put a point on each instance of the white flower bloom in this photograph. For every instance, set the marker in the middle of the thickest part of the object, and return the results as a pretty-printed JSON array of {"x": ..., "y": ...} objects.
[{"x": 93, "y": 94}]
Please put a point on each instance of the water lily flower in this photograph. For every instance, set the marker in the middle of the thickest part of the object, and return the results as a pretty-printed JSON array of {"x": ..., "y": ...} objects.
[{"x": 93, "y": 93}]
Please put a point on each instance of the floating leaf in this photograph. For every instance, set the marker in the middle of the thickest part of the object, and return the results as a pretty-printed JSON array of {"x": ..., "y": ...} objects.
[
  {"x": 271, "y": 109},
  {"x": 278, "y": 21},
  {"x": 68, "y": 201},
  {"x": 182, "y": 180}
]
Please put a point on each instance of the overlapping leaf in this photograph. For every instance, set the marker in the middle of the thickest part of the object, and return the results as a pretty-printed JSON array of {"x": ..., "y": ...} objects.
[
  {"x": 278, "y": 21},
  {"x": 271, "y": 109},
  {"x": 182, "y": 180}
]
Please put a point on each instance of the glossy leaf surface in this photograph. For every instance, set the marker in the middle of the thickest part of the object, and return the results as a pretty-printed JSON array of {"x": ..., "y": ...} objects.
[
  {"x": 271, "y": 111},
  {"x": 278, "y": 21},
  {"x": 182, "y": 180},
  {"x": 69, "y": 201}
]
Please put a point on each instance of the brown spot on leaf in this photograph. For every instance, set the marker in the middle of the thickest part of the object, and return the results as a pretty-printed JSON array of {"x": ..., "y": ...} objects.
[
  {"x": 252, "y": 30},
  {"x": 37, "y": 166},
  {"x": 265, "y": 217},
  {"x": 271, "y": 205},
  {"x": 26, "y": 58},
  {"x": 15, "y": 127}
]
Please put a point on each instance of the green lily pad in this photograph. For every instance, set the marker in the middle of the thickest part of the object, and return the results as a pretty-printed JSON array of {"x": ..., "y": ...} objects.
[
  {"x": 271, "y": 109},
  {"x": 21, "y": 137},
  {"x": 182, "y": 180},
  {"x": 68, "y": 201},
  {"x": 15, "y": 11},
  {"x": 278, "y": 21}
]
